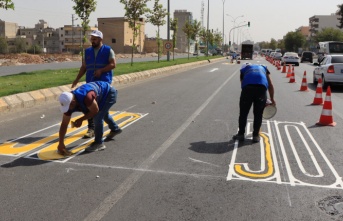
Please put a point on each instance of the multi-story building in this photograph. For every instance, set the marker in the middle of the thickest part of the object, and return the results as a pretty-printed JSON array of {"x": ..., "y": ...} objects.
[
  {"x": 182, "y": 17},
  {"x": 119, "y": 36},
  {"x": 42, "y": 35},
  {"x": 319, "y": 22},
  {"x": 71, "y": 38},
  {"x": 8, "y": 29}
]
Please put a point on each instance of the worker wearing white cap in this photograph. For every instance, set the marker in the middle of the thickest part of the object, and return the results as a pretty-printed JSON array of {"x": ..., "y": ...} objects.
[
  {"x": 255, "y": 81},
  {"x": 98, "y": 64},
  {"x": 94, "y": 100}
]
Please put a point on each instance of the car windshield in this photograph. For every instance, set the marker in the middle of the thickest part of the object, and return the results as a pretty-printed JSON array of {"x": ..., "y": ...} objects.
[
  {"x": 337, "y": 59},
  {"x": 278, "y": 54},
  {"x": 291, "y": 55}
]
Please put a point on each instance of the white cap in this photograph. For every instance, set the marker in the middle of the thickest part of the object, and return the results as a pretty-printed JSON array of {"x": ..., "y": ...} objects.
[
  {"x": 244, "y": 65},
  {"x": 65, "y": 100},
  {"x": 97, "y": 33}
]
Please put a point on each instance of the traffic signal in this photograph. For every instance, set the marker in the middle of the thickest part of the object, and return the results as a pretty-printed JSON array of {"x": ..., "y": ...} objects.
[{"x": 248, "y": 23}]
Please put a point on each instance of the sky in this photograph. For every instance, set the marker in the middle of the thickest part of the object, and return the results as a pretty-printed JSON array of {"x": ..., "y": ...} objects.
[{"x": 268, "y": 18}]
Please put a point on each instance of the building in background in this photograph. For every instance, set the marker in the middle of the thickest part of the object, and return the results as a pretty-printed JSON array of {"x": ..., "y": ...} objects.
[
  {"x": 119, "y": 36},
  {"x": 71, "y": 37},
  {"x": 319, "y": 22},
  {"x": 182, "y": 17},
  {"x": 8, "y": 29}
]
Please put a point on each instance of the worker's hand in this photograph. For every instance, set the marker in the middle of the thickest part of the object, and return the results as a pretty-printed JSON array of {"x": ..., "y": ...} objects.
[
  {"x": 61, "y": 147},
  {"x": 78, "y": 122},
  {"x": 273, "y": 102},
  {"x": 97, "y": 73},
  {"x": 74, "y": 83}
]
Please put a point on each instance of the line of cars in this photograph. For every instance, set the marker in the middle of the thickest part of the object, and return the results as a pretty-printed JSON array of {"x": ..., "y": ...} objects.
[{"x": 292, "y": 57}]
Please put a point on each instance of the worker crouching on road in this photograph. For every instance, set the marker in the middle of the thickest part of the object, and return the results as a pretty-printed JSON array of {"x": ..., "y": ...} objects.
[
  {"x": 255, "y": 81},
  {"x": 94, "y": 99}
]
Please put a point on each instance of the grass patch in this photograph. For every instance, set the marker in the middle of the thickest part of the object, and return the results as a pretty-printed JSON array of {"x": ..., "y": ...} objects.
[{"x": 30, "y": 81}]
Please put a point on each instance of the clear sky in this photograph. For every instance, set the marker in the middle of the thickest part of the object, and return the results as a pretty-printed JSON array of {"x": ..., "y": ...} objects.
[{"x": 269, "y": 18}]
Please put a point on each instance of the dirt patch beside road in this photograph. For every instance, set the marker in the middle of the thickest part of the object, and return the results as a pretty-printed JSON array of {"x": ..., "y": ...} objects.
[{"x": 23, "y": 58}]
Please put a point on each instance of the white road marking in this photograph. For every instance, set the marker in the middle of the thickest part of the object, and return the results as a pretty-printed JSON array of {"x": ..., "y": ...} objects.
[
  {"x": 110, "y": 201},
  {"x": 214, "y": 69},
  {"x": 199, "y": 161},
  {"x": 280, "y": 157}
]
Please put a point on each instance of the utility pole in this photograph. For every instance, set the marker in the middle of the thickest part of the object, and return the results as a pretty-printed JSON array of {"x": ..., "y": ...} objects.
[
  {"x": 223, "y": 28},
  {"x": 168, "y": 29},
  {"x": 208, "y": 22},
  {"x": 72, "y": 32}
]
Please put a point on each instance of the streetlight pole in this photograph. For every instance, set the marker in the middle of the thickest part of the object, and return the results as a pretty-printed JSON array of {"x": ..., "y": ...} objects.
[
  {"x": 168, "y": 29},
  {"x": 42, "y": 31},
  {"x": 223, "y": 28},
  {"x": 234, "y": 24},
  {"x": 208, "y": 17}
]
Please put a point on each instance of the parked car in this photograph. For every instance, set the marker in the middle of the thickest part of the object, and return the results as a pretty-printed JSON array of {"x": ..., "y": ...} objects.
[
  {"x": 330, "y": 69},
  {"x": 271, "y": 55},
  {"x": 290, "y": 58},
  {"x": 277, "y": 56},
  {"x": 306, "y": 56}
]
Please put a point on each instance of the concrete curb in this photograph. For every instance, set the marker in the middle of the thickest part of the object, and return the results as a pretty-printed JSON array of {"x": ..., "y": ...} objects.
[{"x": 30, "y": 99}]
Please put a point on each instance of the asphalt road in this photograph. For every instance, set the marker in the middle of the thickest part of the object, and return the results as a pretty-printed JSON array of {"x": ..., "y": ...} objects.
[
  {"x": 10, "y": 70},
  {"x": 175, "y": 159}
]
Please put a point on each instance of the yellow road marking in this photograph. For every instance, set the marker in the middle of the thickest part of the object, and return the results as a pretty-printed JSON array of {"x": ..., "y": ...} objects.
[
  {"x": 50, "y": 152},
  {"x": 270, "y": 166},
  {"x": 9, "y": 148}
]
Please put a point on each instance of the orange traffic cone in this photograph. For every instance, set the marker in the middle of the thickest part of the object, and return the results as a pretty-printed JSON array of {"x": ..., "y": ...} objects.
[
  {"x": 278, "y": 65},
  {"x": 304, "y": 83},
  {"x": 292, "y": 78},
  {"x": 326, "y": 116},
  {"x": 318, "y": 99},
  {"x": 284, "y": 68},
  {"x": 289, "y": 72}
]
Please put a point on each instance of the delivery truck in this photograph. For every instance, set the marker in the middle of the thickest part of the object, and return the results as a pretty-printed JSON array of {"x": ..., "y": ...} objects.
[{"x": 247, "y": 51}]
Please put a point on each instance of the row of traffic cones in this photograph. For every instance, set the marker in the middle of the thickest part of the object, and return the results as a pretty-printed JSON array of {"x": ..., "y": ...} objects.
[{"x": 326, "y": 118}]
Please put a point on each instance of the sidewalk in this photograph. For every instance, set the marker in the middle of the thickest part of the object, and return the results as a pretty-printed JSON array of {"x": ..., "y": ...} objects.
[{"x": 30, "y": 99}]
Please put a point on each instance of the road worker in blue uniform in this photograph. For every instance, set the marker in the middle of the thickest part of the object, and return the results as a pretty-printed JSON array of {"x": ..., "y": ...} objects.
[
  {"x": 94, "y": 100},
  {"x": 98, "y": 64},
  {"x": 255, "y": 81}
]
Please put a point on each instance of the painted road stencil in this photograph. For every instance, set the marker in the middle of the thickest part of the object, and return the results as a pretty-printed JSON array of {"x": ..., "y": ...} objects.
[
  {"x": 47, "y": 146},
  {"x": 287, "y": 154}
]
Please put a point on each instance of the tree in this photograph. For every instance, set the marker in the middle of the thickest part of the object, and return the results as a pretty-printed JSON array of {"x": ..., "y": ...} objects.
[
  {"x": 35, "y": 49},
  {"x": 83, "y": 8},
  {"x": 217, "y": 38},
  {"x": 340, "y": 13},
  {"x": 329, "y": 34},
  {"x": 6, "y": 4},
  {"x": 196, "y": 26},
  {"x": 188, "y": 30},
  {"x": 272, "y": 43},
  {"x": 157, "y": 18},
  {"x": 3, "y": 46},
  {"x": 203, "y": 35},
  {"x": 20, "y": 45},
  {"x": 174, "y": 28},
  {"x": 134, "y": 9},
  {"x": 293, "y": 41}
]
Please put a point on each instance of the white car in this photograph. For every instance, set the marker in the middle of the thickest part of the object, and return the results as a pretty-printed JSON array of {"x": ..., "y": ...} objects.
[
  {"x": 330, "y": 69},
  {"x": 290, "y": 58}
]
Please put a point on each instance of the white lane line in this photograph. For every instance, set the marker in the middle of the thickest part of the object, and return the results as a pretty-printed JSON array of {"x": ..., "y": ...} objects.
[
  {"x": 140, "y": 170},
  {"x": 110, "y": 201},
  {"x": 214, "y": 69},
  {"x": 199, "y": 161}
]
